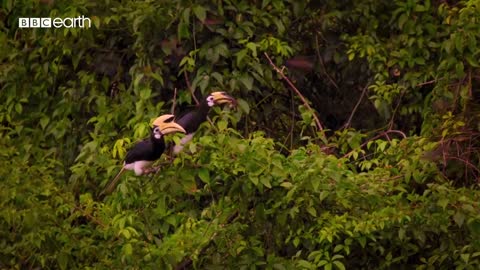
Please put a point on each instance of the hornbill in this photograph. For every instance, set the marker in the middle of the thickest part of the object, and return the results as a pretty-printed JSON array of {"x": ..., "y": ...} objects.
[
  {"x": 144, "y": 153},
  {"x": 192, "y": 120}
]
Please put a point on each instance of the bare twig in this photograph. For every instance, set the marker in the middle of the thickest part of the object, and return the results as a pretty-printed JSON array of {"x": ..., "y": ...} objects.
[
  {"x": 426, "y": 83},
  {"x": 349, "y": 122},
  {"x": 292, "y": 125},
  {"x": 466, "y": 162},
  {"x": 190, "y": 87},
  {"x": 292, "y": 86},
  {"x": 174, "y": 100},
  {"x": 211, "y": 122},
  {"x": 390, "y": 124},
  {"x": 292, "y": 105},
  {"x": 401, "y": 133},
  {"x": 324, "y": 69}
]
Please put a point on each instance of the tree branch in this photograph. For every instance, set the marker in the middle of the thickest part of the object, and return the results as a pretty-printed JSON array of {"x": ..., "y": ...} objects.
[
  {"x": 292, "y": 86},
  {"x": 349, "y": 122},
  {"x": 324, "y": 69},
  {"x": 174, "y": 101},
  {"x": 190, "y": 87},
  {"x": 392, "y": 120}
]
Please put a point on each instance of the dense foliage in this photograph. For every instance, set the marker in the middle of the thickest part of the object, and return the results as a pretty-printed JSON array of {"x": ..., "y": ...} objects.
[{"x": 390, "y": 182}]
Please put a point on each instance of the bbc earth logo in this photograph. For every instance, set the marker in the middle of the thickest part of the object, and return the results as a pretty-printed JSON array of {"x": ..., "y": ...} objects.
[{"x": 78, "y": 22}]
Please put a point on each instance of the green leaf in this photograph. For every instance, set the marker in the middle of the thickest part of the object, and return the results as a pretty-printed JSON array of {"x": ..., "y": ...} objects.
[
  {"x": 351, "y": 56},
  {"x": 401, "y": 233},
  {"x": 306, "y": 264},
  {"x": 279, "y": 24},
  {"x": 204, "y": 175},
  {"x": 157, "y": 78},
  {"x": 337, "y": 256},
  {"x": 474, "y": 225},
  {"x": 312, "y": 211},
  {"x": 217, "y": 76},
  {"x": 465, "y": 257},
  {"x": 137, "y": 80},
  {"x": 476, "y": 254},
  {"x": 443, "y": 202},
  {"x": 324, "y": 194},
  {"x": 18, "y": 108},
  {"x": 243, "y": 105},
  {"x": 459, "y": 69},
  {"x": 253, "y": 47},
  {"x": 363, "y": 241},
  {"x": 402, "y": 20},
  {"x": 200, "y": 12},
  {"x": 126, "y": 233},
  {"x": 286, "y": 185},
  {"x": 145, "y": 93},
  {"x": 247, "y": 81},
  {"x": 222, "y": 125},
  {"x": 458, "y": 42},
  {"x": 240, "y": 55},
  {"x": 322, "y": 263},
  {"x": 265, "y": 3},
  {"x": 183, "y": 31},
  {"x": 62, "y": 259},
  {"x": 96, "y": 21},
  {"x": 459, "y": 218},
  {"x": 127, "y": 249},
  {"x": 382, "y": 145},
  {"x": 44, "y": 122},
  {"x": 339, "y": 265},
  {"x": 266, "y": 182},
  {"x": 338, "y": 248},
  {"x": 296, "y": 241},
  {"x": 186, "y": 15}
]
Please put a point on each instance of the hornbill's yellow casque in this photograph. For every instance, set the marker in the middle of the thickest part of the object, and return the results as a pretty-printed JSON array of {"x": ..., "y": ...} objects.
[
  {"x": 192, "y": 120},
  {"x": 144, "y": 153}
]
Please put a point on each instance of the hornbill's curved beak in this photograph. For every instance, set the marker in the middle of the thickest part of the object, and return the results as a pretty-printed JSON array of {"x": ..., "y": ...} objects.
[
  {"x": 166, "y": 124},
  {"x": 222, "y": 97}
]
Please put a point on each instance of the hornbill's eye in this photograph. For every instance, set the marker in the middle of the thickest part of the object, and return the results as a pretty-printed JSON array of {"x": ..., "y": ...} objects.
[
  {"x": 210, "y": 101},
  {"x": 157, "y": 133}
]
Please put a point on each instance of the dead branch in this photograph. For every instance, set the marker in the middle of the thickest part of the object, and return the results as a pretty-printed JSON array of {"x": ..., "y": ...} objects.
[
  {"x": 324, "y": 69},
  {"x": 426, "y": 83},
  {"x": 392, "y": 120},
  {"x": 189, "y": 85},
  {"x": 174, "y": 101},
  {"x": 349, "y": 122},
  {"x": 292, "y": 86}
]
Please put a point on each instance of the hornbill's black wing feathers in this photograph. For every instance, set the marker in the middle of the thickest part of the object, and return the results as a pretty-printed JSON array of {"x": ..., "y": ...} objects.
[
  {"x": 135, "y": 152},
  {"x": 191, "y": 121},
  {"x": 143, "y": 150}
]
